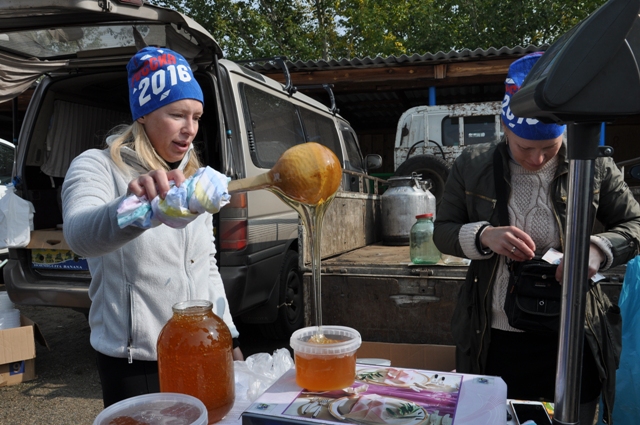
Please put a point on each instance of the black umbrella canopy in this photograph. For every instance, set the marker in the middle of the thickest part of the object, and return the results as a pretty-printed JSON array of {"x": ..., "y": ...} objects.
[{"x": 591, "y": 73}]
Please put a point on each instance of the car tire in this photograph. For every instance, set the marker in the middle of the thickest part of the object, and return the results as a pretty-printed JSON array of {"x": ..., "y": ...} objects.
[
  {"x": 430, "y": 167},
  {"x": 291, "y": 301}
]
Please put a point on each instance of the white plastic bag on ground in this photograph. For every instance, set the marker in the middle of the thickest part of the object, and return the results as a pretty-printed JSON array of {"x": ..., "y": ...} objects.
[
  {"x": 258, "y": 372},
  {"x": 16, "y": 219}
]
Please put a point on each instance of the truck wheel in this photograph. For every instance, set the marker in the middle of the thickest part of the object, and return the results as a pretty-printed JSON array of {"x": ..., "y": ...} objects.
[
  {"x": 291, "y": 302},
  {"x": 430, "y": 167}
]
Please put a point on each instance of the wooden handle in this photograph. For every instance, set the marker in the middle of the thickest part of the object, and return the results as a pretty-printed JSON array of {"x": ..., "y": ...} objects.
[{"x": 250, "y": 183}]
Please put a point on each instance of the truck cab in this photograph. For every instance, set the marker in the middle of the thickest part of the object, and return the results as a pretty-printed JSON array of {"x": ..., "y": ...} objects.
[{"x": 429, "y": 138}]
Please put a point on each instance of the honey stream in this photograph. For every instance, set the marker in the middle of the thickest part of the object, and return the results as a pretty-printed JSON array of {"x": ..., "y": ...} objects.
[
  {"x": 312, "y": 217},
  {"x": 306, "y": 177}
]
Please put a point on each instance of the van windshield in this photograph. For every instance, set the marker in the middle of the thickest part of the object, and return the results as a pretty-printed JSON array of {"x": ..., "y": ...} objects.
[{"x": 61, "y": 42}]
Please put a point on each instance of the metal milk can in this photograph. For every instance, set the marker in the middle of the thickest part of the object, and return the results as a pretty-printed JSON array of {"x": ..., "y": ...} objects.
[{"x": 405, "y": 198}]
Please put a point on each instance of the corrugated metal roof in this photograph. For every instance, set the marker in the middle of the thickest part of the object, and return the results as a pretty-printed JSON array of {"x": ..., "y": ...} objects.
[{"x": 378, "y": 61}]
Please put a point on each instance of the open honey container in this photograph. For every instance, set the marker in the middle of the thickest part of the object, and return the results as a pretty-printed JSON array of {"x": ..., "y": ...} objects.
[{"x": 326, "y": 363}]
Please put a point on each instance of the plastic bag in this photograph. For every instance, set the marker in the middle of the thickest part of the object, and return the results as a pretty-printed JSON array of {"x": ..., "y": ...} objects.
[
  {"x": 258, "y": 372},
  {"x": 16, "y": 219},
  {"x": 626, "y": 409}
]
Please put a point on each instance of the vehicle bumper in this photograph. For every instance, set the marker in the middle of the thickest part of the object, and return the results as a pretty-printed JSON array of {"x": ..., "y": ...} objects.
[{"x": 44, "y": 292}]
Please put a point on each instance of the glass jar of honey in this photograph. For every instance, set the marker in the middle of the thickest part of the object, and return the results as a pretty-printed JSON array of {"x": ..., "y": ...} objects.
[
  {"x": 325, "y": 359},
  {"x": 195, "y": 357}
]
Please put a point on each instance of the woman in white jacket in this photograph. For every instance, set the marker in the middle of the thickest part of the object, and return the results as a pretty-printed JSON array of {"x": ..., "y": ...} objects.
[{"x": 138, "y": 274}]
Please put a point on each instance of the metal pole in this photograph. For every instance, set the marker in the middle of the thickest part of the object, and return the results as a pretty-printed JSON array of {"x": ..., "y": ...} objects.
[{"x": 576, "y": 262}]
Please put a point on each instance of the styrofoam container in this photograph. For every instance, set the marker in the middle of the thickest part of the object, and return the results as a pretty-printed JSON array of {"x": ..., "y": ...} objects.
[{"x": 157, "y": 409}]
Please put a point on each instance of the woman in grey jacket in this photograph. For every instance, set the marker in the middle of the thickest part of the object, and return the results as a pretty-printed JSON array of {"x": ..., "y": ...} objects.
[
  {"x": 137, "y": 275},
  {"x": 533, "y": 157}
]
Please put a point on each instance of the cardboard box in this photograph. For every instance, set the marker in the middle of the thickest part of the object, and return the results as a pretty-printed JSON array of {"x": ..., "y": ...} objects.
[
  {"x": 414, "y": 356},
  {"x": 18, "y": 352},
  {"x": 49, "y": 250},
  {"x": 48, "y": 239}
]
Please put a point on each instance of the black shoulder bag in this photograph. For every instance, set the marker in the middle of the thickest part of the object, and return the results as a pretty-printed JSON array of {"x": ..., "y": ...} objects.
[{"x": 534, "y": 296}]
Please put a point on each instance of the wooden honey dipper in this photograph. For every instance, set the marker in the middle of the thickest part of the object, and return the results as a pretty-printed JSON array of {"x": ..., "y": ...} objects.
[{"x": 309, "y": 173}]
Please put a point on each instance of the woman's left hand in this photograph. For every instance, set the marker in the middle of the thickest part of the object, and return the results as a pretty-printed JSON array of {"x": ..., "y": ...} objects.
[{"x": 596, "y": 258}]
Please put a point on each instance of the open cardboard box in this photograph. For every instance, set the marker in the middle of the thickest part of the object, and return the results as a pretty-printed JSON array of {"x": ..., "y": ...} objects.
[
  {"x": 48, "y": 239},
  {"x": 18, "y": 352},
  {"x": 49, "y": 250},
  {"x": 414, "y": 356}
]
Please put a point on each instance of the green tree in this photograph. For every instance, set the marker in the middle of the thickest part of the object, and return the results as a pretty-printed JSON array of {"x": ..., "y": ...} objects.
[
  {"x": 335, "y": 29},
  {"x": 248, "y": 29}
]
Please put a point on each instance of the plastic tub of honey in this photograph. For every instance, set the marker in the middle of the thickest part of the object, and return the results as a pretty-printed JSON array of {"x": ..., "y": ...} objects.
[
  {"x": 328, "y": 362},
  {"x": 155, "y": 409}
]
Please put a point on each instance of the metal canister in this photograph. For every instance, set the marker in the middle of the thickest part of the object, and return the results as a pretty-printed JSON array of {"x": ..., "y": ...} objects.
[{"x": 401, "y": 203}]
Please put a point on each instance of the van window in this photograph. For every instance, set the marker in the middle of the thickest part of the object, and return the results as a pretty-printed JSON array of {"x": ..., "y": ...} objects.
[
  {"x": 6, "y": 162},
  {"x": 321, "y": 130},
  {"x": 355, "y": 158},
  {"x": 274, "y": 126},
  {"x": 450, "y": 131},
  {"x": 477, "y": 129}
]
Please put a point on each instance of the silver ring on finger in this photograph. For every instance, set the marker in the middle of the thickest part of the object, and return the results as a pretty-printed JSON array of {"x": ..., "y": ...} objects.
[{"x": 513, "y": 249}]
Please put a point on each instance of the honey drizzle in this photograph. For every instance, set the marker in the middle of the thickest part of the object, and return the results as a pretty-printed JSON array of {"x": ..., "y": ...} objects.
[{"x": 312, "y": 217}]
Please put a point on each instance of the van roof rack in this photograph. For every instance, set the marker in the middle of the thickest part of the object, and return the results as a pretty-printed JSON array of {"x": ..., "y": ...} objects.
[
  {"x": 328, "y": 88},
  {"x": 280, "y": 61}
]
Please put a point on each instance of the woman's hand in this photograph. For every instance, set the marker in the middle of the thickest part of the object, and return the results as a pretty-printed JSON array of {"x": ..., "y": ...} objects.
[
  {"x": 237, "y": 354},
  {"x": 509, "y": 241},
  {"x": 596, "y": 258},
  {"x": 155, "y": 183}
]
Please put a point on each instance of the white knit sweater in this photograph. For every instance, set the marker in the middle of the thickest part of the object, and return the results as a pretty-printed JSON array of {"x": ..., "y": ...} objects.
[{"x": 530, "y": 209}]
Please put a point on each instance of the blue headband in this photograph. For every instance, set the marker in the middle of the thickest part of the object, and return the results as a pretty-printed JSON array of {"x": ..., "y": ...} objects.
[
  {"x": 158, "y": 77},
  {"x": 527, "y": 128}
]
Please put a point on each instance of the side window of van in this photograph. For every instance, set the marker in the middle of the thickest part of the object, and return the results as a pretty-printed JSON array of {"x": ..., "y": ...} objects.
[
  {"x": 321, "y": 130},
  {"x": 477, "y": 129},
  {"x": 450, "y": 131},
  {"x": 274, "y": 126},
  {"x": 6, "y": 162},
  {"x": 355, "y": 162}
]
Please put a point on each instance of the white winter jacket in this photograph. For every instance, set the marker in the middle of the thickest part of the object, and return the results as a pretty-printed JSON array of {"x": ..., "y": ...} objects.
[{"x": 136, "y": 275}]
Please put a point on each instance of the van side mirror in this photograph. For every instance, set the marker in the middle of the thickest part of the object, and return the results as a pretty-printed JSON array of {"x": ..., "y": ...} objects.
[{"x": 373, "y": 161}]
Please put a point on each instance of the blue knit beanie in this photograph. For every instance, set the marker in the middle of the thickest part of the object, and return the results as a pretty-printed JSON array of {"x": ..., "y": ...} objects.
[
  {"x": 527, "y": 128},
  {"x": 158, "y": 77}
]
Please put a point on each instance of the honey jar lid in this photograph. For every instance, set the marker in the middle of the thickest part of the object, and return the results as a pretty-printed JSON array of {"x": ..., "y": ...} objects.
[
  {"x": 165, "y": 407},
  {"x": 336, "y": 340}
]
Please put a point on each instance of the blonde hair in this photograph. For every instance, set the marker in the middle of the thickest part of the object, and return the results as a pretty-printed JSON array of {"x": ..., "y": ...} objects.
[{"x": 134, "y": 137}]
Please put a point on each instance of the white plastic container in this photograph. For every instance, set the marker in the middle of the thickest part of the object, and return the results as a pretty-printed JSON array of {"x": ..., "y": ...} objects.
[
  {"x": 9, "y": 319},
  {"x": 329, "y": 364},
  {"x": 157, "y": 409},
  {"x": 5, "y": 302}
]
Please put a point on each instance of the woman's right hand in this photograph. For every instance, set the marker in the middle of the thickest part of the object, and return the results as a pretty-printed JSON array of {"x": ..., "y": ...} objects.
[
  {"x": 509, "y": 241},
  {"x": 155, "y": 183}
]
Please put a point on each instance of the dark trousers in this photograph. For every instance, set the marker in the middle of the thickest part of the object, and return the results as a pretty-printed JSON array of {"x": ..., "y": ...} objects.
[
  {"x": 527, "y": 363},
  {"x": 120, "y": 379}
]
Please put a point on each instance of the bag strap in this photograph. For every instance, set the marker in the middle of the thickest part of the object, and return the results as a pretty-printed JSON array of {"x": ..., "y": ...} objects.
[{"x": 501, "y": 188}]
